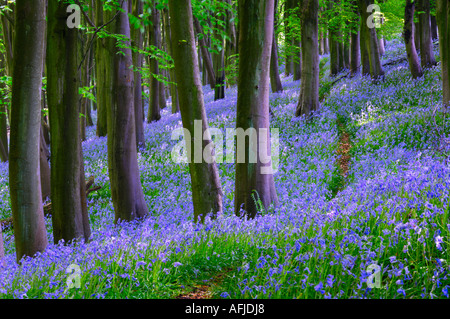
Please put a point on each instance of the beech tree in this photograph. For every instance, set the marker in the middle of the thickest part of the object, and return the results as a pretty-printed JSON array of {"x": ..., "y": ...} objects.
[
  {"x": 369, "y": 41},
  {"x": 206, "y": 188},
  {"x": 154, "y": 34},
  {"x": 309, "y": 90},
  {"x": 408, "y": 37},
  {"x": 442, "y": 17},
  {"x": 126, "y": 189},
  {"x": 24, "y": 175},
  {"x": 138, "y": 59},
  {"x": 426, "y": 42},
  {"x": 69, "y": 210},
  {"x": 255, "y": 46}
]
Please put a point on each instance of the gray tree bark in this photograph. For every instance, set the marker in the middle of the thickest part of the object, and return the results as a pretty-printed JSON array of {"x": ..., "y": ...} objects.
[
  {"x": 255, "y": 42},
  {"x": 309, "y": 90},
  {"x": 408, "y": 36},
  {"x": 426, "y": 43},
  {"x": 30, "y": 234},
  {"x": 126, "y": 188},
  {"x": 206, "y": 188}
]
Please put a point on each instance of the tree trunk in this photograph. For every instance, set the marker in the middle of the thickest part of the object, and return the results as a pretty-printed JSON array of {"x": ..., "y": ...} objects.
[
  {"x": 370, "y": 42},
  {"x": 172, "y": 86},
  {"x": 254, "y": 179},
  {"x": 206, "y": 188},
  {"x": 138, "y": 59},
  {"x": 334, "y": 54},
  {"x": 274, "y": 71},
  {"x": 417, "y": 35},
  {"x": 309, "y": 90},
  {"x": 30, "y": 234},
  {"x": 103, "y": 67},
  {"x": 426, "y": 44},
  {"x": 355, "y": 59},
  {"x": 442, "y": 17},
  {"x": 68, "y": 214},
  {"x": 365, "y": 63},
  {"x": 298, "y": 62},
  {"x": 207, "y": 61},
  {"x": 154, "y": 109},
  {"x": 434, "y": 29},
  {"x": 408, "y": 36},
  {"x": 44, "y": 167},
  {"x": 126, "y": 189}
]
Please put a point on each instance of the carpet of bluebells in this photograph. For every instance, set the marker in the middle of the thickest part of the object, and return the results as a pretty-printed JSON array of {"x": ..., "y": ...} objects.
[{"x": 391, "y": 210}]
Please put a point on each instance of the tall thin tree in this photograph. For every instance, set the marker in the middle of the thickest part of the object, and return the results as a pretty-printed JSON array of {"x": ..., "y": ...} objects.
[
  {"x": 30, "y": 234},
  {"x": 254, "y": 179},
  {"x": 206, "y": 188},
  {"x": 69, "y": 210},
  {"x": 126, "y": 189},
  {"x": 309, "y": 90}
]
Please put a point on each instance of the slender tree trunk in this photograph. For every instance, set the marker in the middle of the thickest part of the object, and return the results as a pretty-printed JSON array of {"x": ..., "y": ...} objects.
[
  {"x": 434, "y": 28},
  {"x": 442, "y": 17},
  {"x": 289, "y": 69},
  {"x": 355, "y": 58},
  {"x": 44, "y": 167},
  {"x": 370, "y": 42},
  {"x": 68, "y": 214},
  {"x": 205, "y": 54},
  {"x": 30, "y": 234},
  {"x": 126, "y": 188},
  {"x": 334, "y": 54},
  {"x": 365, "y": 63},
  {"x": 138, "y": 9},
  {"x": 408, "y": 36},
  {"x": 321, "y": 43},
  {"x": 103, "y": 67},
  {"x": 426, "y": 43},
  {"x": 417, "y": 35},
  {"x": 254, "y": 179},
  {"x": 172, "y": 86},
  {"x": 206, "y": 188},
  {"x": 326, "y": 43},
  {"x": 297, "y": 61},
  {"x": 219, "y": 64},
  {"x": 275, "y": 79},
  {"x": 154, "y": 109},
  {"x": 309, "y": 90}
]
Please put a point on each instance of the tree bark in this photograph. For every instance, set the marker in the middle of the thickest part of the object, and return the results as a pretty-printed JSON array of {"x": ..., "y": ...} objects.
[
  {"x": 434, "y": 29},
  {"x": 254, "y": 179},
  {"x": 126, "y": 188},
  {"x": 442, "y": 17},
  {"x": 370, "y": 41},
  {"x": 154, "y": 109},
  {"x": 275, "y": 79},
  {"x": 138, "y": 59},
  {"x": 30, "y": 234},
  {"x": 206, "y": 188},
  {"x": 309, "y": 90},
  {"x": 408, "y": 36},
  {"x": 68, "y": 215},
  {"x": 206, "y": 55},
  {"x": 355, "y": 58},
  {"x": 426, "y": 43},
  {"x": 172, "y": 86},
  {"x": 103, "y": 68}
]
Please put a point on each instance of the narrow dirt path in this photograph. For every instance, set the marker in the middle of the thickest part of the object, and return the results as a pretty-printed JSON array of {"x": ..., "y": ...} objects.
[
  {"x": 343, "y": 152},
  {"x": 204, "y": 291}
]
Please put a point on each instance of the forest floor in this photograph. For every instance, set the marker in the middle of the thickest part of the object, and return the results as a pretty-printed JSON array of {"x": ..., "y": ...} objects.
[{"x": 362, "y": 186}]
